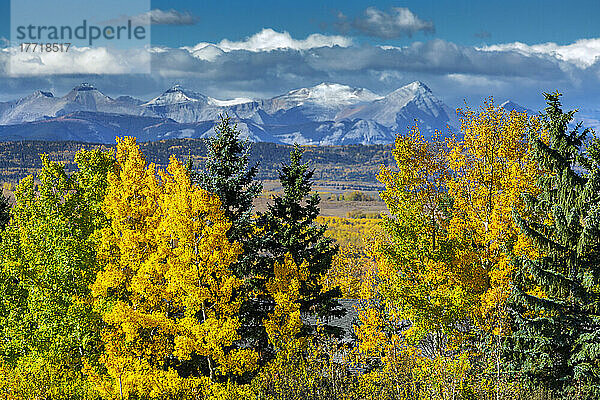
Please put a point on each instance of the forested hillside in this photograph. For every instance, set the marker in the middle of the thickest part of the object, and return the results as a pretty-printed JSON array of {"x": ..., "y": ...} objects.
[{"x": 357, "y": 165}]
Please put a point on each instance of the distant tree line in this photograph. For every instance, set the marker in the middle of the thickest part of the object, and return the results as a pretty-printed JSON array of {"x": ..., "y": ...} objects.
[{"x": 331, "y": 163}]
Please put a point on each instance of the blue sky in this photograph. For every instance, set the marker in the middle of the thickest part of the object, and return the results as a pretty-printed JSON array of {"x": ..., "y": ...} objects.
[
  {"x": 464, "y": 50},
  {"x": 529, "y": 21},
  {"x": 459, "y": 21}
]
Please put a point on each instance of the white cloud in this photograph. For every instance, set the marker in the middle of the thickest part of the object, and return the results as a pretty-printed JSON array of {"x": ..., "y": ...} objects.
[
  {"x": 268, "y": 39},
  {"x": 476, "y": 81},
  {"x": 157, "y": 17},
  {"x": 78, "y": 60},
  {"x": 400, "y": 21},
  {"x": 171, "y": 17},
  {"x": 271, "y": 62},
  {"x": 316, "y": 56},
  {"x": 583, "y": 53},
  {"x": 264, "y": 41}
]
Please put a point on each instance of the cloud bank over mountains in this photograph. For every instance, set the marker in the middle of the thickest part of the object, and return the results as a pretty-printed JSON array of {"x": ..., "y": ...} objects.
[
  {"x": 583, "y": 53},
  {"x": 269, "y": 39},
  {"x": 270, "y": 62}
]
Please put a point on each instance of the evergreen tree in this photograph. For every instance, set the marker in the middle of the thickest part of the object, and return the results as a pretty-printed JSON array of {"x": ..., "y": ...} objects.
[
  {"x": 556, "y": 297},
  {"x": 228, "y": 175},
  {"x": 4, "y": 212},
  {"x": 289, "y": 228}
]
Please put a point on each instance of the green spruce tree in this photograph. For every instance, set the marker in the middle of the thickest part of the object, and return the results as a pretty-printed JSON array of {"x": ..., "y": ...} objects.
[
  {"x": 228, "y": 175},
  {"x": 289, "y": 228},
  {"x": 555, "y": 298},
  {"x": 4, "y": 211}
]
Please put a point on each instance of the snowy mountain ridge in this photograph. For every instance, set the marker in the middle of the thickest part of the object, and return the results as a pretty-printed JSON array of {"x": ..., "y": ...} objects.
[{"x": 325, "y": 114}]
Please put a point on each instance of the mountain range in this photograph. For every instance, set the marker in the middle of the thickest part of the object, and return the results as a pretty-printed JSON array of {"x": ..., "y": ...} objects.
[{"x": 326, "y": 114}]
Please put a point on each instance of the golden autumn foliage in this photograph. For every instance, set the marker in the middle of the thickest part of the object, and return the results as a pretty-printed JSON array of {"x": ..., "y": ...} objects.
[
  {"x": 446, "y": 256},
  {"x": 297, "y": 367},
  {"x": 354, "y": 267},
  {"x": 350, "y": 231},
  {"x": 284, "y": 323},
  {"x": 165, "y": 292},
  {"x": 396, "y": 369},
  {"x": 47, "y": 262},
  {"x": 491, "y": 169},
  {"x": 354, "y": 271},
  {"x": 420, "y": 278},
  {"x": 444, "y": 263},
  {"x": 420, "y": 178}
]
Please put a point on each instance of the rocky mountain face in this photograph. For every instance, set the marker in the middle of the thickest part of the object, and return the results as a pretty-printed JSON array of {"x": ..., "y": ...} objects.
[{"x": 326, "y": 114}]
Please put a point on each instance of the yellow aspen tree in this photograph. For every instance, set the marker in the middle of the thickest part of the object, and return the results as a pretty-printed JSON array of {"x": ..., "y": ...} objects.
[
  {"x": 420, "y": 177},
  {"x": 491, "y": 168},
  {"x": 418, "y": 278},
  {"x": 166, "y": 292},
  {"x": 299, "y": 368},
  {"x": 418, "y": 275},
  {"x": 47, "y": 262},
  {"x": 284, "y": 324}
]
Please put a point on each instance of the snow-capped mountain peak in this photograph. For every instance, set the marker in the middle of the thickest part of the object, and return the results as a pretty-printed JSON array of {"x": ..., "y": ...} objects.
[
  {"x": 38, "y": 95},
  {"x": 228, "y": 103},
  {"x": 41, "y": 93},
  {"x": 84, "y": 89},
  {"x": 403, "y": 107},
  {"x": 87, "y": 94},
  {"x": 327, "y": 94},
  {"x": 84, "y": 97},
  {"x": 410, "y": 91},
  {"x": 418, "y": 86},
  {"x": 209, "y": 52},
  {"x": 176, "y": 95},
  {"x": 328, "y": 113}
]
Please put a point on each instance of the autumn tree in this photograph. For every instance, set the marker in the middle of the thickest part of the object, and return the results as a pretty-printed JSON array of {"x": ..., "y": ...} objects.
[
  {"x": 285, "y": 323},
  {"x": 445, "y": 263},
  {"x": 166, "y": 290},
  {"x": 419, "y": 279},
  {"x": 491, "y": 167},
  {"x": 48, "y": 260},
  {"x": 556, "y": 296}
]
